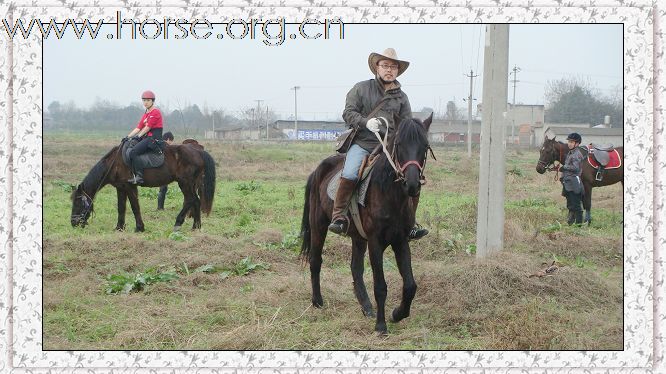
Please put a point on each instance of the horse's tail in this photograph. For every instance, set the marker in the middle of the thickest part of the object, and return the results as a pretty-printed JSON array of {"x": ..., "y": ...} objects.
[
  {"x": 306, "y": 232},
  {"x": 207, "y": 187}
]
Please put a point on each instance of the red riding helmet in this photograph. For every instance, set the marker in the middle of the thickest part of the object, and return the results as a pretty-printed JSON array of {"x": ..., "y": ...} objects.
[{"x": 148, "y": 95}]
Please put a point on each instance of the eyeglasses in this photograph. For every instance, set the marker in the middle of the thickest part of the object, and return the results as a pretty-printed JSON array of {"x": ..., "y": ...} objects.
[{"x": 387, "y": 67}]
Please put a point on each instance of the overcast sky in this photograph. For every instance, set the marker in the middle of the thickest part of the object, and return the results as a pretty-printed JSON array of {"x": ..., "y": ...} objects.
[{"x": 231, "y": 74}]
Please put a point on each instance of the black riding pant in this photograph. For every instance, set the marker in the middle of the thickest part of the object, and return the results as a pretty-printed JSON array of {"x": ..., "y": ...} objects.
[
  {"x": 161, "y": 196},
  {"x": 574, "y": 201}
]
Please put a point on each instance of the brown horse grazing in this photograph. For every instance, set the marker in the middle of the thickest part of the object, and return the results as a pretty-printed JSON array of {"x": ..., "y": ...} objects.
[
  {"x": 553, "y": 150},
  {"x": 387, "y": 219},
  {"x": 192, "y": 168}
]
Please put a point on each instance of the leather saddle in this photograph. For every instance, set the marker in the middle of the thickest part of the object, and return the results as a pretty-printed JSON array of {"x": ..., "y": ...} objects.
[
  {"x": 601, "y": 153},
  {"x": 150, "y": 159}
]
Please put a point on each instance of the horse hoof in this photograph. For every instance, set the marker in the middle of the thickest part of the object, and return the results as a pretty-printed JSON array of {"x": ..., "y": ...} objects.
[
  {"x": 176, "y": 228},
  {"x": 396, "y": 316},
  {"x": 139, "y": 229},
  {"x": 318, "y": 303},
  {"x": 369, "y": 313},
  {"x": 382, "y": 332},
  {"x": 120, "y": 229}
]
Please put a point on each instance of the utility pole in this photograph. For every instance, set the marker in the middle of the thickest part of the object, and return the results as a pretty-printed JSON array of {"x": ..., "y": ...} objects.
[
  {"x": 258, "y": 118},
  {"x": 490, "y": 213},
  {"x": 213, "y": 124},
  {"x": 266, "y": 122},
  {"x": 295, "y": 88},
  {"x": 469, "y": 112},
  {"x": 515, "y": 70}
]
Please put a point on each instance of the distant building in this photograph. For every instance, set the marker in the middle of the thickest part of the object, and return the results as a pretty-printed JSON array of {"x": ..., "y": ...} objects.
[
  {"x": 536, "y": 132},
  {"x": 600, "y": 136},
  {"x": 453, "y": 132},
  {"x": 239, "y": 133},
  {"x": 310, "y": 130}
]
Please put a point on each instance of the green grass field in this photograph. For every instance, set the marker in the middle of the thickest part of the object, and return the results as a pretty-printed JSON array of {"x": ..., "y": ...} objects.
[{"x": 239, "y": 284}]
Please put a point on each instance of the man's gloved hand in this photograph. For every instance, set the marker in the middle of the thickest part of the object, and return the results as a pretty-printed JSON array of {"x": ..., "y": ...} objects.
[{"x": 374, "y": 123}]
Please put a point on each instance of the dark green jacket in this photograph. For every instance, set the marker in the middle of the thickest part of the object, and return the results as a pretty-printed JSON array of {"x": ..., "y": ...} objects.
[{"x": 363, "y": 98}]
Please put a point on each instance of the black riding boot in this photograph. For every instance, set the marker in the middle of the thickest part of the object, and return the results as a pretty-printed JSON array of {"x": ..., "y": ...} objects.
[
  {"x": 138, "y": 177},
  {"x": 340, "y": 224},
  {"x": 579, "y": 218},
  {"x": 571, "y": 217}
]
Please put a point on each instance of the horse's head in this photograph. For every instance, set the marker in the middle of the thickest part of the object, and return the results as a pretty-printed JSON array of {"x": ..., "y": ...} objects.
[
  {"x": 550, "y": 152},
  {"x": 410, "y": 148},
  {"x": 82, "y": 207}
]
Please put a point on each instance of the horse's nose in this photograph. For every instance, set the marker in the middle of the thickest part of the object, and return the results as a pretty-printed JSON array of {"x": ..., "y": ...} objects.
[{"x": 540, "y": 169}]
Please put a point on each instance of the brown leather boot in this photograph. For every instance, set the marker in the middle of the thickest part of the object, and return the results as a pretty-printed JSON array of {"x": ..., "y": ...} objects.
[
  {"x": 417, "y": 232},
  {"x": 340, "y": 223}
]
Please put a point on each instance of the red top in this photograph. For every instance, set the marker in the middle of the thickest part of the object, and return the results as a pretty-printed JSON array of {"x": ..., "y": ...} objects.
[{"x": 152, "y": 119}]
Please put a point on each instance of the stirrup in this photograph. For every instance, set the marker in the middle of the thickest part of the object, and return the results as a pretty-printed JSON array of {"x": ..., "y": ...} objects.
[
  {"x": 338, "y": 227},
  {"x": 598, "y": 176},
  {"x": 417, "y": 232}
]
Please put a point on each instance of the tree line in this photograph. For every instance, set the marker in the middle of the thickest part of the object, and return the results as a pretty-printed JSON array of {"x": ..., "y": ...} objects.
[{"x": 186, "y": 120}]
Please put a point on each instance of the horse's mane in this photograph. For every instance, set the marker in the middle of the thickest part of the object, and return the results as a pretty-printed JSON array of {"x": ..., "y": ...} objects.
[
  {"x": 95, "y": 175},
  {"x": 410, "y": 131}
]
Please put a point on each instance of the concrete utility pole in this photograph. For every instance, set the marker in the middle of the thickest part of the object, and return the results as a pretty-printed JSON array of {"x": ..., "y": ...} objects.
[
  {"x": 258, "y": 118},
  {"x": 213, "y": 124},
  {"x": 515, "y": 70},
  {"x": 490, "y": 217},
  {"x": 469, "y": 112},
  {"x": 295, "y": 88},
  {"x": 266, "y": 122}
]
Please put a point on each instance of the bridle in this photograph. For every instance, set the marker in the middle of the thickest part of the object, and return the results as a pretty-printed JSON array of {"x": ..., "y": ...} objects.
[
  {"x": 549, "y": 165},
  {"x": 86, "y": 199},
  {"x": 400, "y": 168}
]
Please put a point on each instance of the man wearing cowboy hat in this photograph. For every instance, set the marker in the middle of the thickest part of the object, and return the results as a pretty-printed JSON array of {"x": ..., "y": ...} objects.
[{"x": 361, "y": 100}]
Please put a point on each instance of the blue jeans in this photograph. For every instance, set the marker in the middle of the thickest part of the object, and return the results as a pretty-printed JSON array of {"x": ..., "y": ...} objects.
[{"x": 353, "y": 162}]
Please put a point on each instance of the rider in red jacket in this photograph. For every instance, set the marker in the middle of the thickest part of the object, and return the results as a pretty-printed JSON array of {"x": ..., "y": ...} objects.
[{"x": 149, "y": 130}]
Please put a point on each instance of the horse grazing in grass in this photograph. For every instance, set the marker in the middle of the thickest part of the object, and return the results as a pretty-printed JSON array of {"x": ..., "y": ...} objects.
[
  {"x": 188, "y": 164},
  {"x": 553, "y": 150},
  {"x": 387, "y": 218}
]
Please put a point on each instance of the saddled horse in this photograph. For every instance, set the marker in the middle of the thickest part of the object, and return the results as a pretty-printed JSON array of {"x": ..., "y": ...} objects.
[
  {"x": 387, "y": 218},
  {"x": 188, "y": 164},
  {"x": 553, "y": 150}
]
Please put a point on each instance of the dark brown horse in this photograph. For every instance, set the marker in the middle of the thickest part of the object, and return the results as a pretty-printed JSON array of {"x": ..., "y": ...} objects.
[
  {"x": 553, "y": 150},
  {"x": 187, "y": 164},
  {"x": 387, "y": 218}
]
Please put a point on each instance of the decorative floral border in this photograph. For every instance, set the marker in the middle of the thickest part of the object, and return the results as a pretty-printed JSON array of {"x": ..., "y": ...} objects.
[{"x": 20, "y": 177}]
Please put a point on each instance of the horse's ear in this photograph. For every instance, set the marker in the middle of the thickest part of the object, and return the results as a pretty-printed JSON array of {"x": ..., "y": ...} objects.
[{"x": 427, "y": 122}]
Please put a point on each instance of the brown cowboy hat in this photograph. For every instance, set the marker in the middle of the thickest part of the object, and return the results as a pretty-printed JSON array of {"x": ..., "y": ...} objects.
[{"x": 388, "y": 54}]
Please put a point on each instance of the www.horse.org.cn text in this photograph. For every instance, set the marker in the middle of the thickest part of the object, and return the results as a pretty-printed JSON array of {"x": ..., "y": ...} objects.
[{"x": 272, "y": 32}]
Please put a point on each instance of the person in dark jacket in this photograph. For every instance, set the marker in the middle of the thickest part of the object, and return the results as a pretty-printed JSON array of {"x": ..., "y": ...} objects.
[
  {"x": 360, "y": 102},
  {"x": 572, "y": 187},
  {"x": 161, "y": 196}
]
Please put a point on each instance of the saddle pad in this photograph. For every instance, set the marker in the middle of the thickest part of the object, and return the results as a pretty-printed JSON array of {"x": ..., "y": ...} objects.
[
  {"x": 614, "y": 159},
  {"x": 150, "y": 159},
  {"x": 361, "y": 190}
]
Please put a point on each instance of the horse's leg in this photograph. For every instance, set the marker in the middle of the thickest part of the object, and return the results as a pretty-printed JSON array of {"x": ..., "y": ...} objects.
[
  {"x": 319, "y": 229},
  {"x": 376, "y": 261},
  {"x": 195, "y": 209},
  {"x": 403, "y": 258},
  {"x": 187, "y": 204},
  {"x": 358, "y": 254},
  {"x": 587, "y": 203},
  {"x": 122, "y": 208},
  {"x": 133, "y": 195}
]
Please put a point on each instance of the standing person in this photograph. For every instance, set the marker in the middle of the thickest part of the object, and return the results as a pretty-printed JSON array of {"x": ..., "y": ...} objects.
[
  {"x": 161, "y": 196},
  {"x": 361, "y": 101},
  {"x": 149, "y": 130},
  {"x": 572, "y": 187}
]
